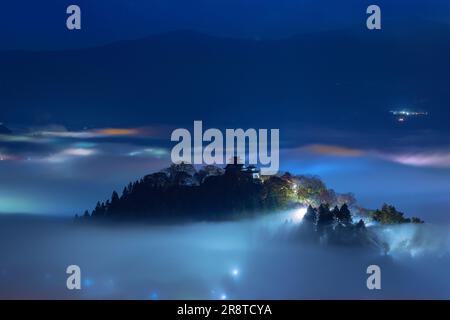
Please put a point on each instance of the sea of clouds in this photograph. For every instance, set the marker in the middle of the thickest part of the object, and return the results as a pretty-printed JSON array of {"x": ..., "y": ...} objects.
[{"x": 252, "y": 259}]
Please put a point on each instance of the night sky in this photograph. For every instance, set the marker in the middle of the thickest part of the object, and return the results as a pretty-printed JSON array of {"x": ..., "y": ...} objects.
[{"x": 85, "y": 112}]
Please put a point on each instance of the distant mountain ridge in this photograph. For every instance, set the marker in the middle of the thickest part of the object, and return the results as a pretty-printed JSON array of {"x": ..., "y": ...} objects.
[
  {"x": 331, "y": 78},
  {"x": 4, "y": 130}
]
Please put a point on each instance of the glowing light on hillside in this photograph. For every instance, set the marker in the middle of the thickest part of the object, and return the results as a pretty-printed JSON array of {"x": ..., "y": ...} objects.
[{"x": 298, "y": 214}]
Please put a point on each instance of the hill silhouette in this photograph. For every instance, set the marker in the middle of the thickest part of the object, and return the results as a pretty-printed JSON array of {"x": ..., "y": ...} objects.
[
  {"x": 181, "y": 193},
  {"x": 328, "y": 75},
  {"x": 4, "y": 130}
]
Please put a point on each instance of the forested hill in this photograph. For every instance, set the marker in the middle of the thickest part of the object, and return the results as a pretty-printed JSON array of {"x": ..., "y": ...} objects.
[{"x": 182, "y": 193}]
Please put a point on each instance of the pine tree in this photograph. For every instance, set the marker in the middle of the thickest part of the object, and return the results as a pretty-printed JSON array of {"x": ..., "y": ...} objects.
[
  {"x": 324, "y": 216},
  {"x": 98, "y": 210},
  {"x": 114, "y": 197},
  {"x": 361, "y": 224},
  {"x": 335, "y": 213},
  {"x": 344, "y": 217},
  {"x": 310, "y": 215}
]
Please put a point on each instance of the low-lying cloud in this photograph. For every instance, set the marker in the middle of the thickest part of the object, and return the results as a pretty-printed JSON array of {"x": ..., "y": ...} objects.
[
  {"x": 238, "y": 260},
  {"x": 437, "y": 158}
]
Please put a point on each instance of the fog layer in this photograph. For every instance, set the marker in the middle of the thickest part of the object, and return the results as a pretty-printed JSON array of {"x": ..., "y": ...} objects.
[{"x": 253, "y": 259}]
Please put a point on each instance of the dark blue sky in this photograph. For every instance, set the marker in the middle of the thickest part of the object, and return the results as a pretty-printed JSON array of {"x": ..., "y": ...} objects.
[{"x": 309, "y": 68}]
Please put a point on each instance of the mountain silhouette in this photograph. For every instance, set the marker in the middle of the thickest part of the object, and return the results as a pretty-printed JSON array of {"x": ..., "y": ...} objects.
[
  {"x": 4, "y": 130},
  {"x": 333, "y": 79}
]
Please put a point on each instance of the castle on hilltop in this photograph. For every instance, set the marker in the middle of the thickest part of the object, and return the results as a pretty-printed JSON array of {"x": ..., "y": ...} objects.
[{"x": 236, "y": 166}]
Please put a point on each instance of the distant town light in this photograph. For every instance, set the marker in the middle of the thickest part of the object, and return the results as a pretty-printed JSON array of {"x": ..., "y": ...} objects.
[{"x": 403, "y": 114}]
